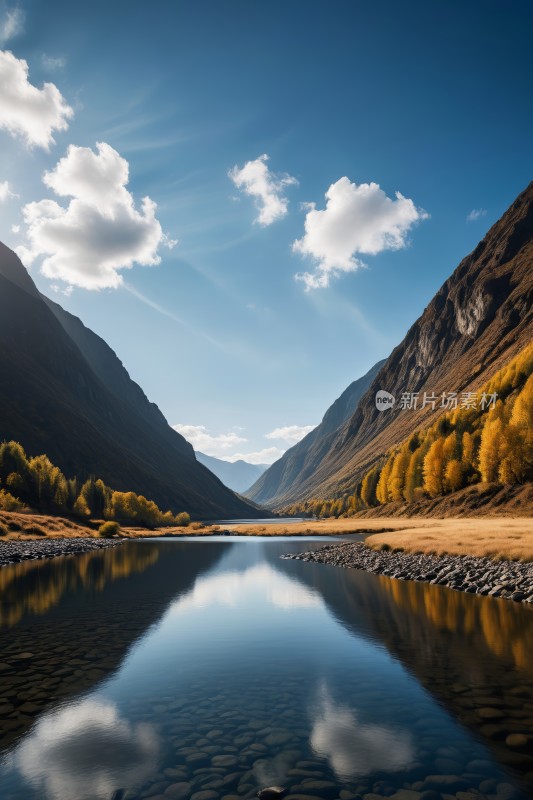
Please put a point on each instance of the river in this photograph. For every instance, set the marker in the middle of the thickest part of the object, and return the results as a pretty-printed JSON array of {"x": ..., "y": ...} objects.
[{"x": 211, "y": 668}]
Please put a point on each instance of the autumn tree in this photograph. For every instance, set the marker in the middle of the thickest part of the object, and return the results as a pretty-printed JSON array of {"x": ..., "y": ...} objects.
[
  {"x": 434, "y": 468},
  {"x": 368, "y": 487},
  {"x": 490, "y": 447}
]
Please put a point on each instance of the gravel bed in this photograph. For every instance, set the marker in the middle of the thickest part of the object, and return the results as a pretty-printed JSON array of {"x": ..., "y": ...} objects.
[
  {"x": 507, "y": 579},
  {"x": 13, "y": 551}
]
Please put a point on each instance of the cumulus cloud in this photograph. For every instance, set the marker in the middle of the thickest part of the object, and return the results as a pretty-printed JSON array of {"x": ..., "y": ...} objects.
[
  {"x": 357, "y": 220},
  {"x": 100, "y": 231},
  {"x": 26, "y": 111},
  {"x": 290, "y": 433},
  {"x": 266, "y": 187},
  {"x": 354, "y": 748},
  {"x": 266, "y": 456},
  {"x": 212, "y": 445},
  {"x": 5, "y": 191},
  {"x": 475, "y": 214},
  {"x": 12, "y": 25},
  {"x": 221, "y": 445},
  {"x": 51, "y": 64}
]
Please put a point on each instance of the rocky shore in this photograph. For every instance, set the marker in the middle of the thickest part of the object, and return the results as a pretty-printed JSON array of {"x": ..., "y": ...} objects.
[
  {"x": 507, "y": 579},
  {"x": 12, "y": 551}
]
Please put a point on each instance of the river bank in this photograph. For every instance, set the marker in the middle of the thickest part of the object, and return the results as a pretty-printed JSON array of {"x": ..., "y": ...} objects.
[
  {"x": 506, "y": 579},
  {"x": 13, "y": 551}
]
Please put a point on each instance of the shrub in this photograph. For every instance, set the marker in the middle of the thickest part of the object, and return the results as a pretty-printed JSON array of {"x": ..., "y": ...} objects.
[
  {"x": 108, "y": 529},
  {"x": 34, "y": 530},
  {"x": 10, "y": 503},
  {"x": 183, "y": 519}
]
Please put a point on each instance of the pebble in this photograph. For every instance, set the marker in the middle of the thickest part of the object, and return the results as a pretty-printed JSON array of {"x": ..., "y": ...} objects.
[
  {"x": 511, "y": 580},
  {"x": 13, "y": 551}
]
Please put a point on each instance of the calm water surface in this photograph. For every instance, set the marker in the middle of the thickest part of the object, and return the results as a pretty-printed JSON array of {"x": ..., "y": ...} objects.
[{"x": 209, "y": 669}]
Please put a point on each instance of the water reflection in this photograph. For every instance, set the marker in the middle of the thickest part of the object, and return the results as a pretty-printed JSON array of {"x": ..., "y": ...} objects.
[
  {"x": 207, "y": 664},
  {"x": 354, "y": 748},
  {"x": 35, "y": 587},
  {"x": 85, "y": 751},
  {"x": 506, "y": 629},
  {"x": 474, "y": 654},
  {"x": 259, "y": 583}
]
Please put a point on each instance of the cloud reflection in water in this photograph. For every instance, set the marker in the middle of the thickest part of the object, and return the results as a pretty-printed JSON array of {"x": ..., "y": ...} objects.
[
  {"x": 353, "y": 748},
  {"x": 258, "y": 583},
  {"x": 86, "y": 751}
]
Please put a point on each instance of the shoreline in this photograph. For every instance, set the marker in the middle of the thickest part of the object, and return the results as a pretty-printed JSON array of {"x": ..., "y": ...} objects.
[
  {"x": 512, "y": 580},
  {"x": 13, "y": 551}
]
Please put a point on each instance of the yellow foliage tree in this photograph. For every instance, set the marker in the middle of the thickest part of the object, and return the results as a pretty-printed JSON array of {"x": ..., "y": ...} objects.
[{"x": 434, "y": 468}]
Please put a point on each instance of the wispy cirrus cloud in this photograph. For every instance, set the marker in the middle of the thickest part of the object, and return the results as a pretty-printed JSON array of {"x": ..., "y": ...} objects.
[
  {"x": 26, "y": 111},
  {"x": 357, "y": 220},
  {"x": 11, "y": 25},
  {"x": 476, "y": 214},
  {"x": 266, "y": 187},
  {"x": 52, "y": 63},
  {"x": 5, "y": 191},
  {"x": 100, "y": 231}
]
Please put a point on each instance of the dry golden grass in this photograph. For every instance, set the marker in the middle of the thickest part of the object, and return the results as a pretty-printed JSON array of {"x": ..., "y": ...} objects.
[
  {"x": 497, "y": 538},
  {"x": 17, "y": 525},
  {"x": 322, "y": 527}
]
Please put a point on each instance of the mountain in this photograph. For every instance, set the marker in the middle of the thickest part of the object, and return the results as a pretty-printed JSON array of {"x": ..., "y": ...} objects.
[
  {"x": 479, "y": 319},
  {"x": 299, "y": 463},
  {"x": 65, "y": 393},
  {"x": 237, "y": 475}
]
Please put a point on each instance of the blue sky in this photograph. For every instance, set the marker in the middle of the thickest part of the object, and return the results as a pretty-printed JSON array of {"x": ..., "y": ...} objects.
[{"x": 429, "y": 99}]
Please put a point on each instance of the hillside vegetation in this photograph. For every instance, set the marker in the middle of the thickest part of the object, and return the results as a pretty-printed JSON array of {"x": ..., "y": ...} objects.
[
  {"x": 490, "y": 441},
  {"x": 37, "y": 484}
]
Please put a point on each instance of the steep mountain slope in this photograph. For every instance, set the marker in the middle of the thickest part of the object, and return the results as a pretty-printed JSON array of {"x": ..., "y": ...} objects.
[
  {"x": 65, "y": 393},
  {"x": 237, "y": 475},
  {"x": 300, "y": 462},
  {"x": 479, "y": 319}
]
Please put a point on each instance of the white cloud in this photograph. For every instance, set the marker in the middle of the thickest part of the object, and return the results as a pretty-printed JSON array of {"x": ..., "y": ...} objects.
[
  {"x": 27, "y": 111},
  {"x": 15, "y": 229},
  {"x": 475, "y": 214},
  {"x": 5, "y": 191},
  {"x": 256, "y": 180},
  {"x": 290, "y": 433},
  {"x": 50, "y": 63},
  {"x": 100, "y": 231},
  {"x": 266, "y": 456},
  {"x": 202, "y": 440},
  {"x": 357, "y": 219},
  {"x": 12, "y": 25},
  {"x": 221, "y": 445}
]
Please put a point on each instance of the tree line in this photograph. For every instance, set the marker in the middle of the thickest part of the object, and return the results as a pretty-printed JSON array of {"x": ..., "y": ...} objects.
[
  {"x": 37, "y": 484},
  {"x": 463, "y": 447}
]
